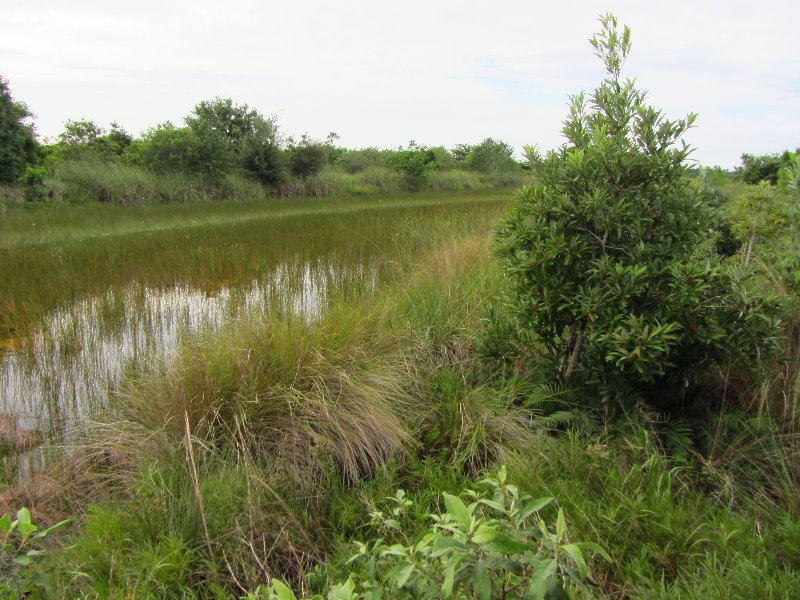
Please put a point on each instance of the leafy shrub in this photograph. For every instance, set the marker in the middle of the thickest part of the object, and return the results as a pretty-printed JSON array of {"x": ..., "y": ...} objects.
[
  {"x": 491, "y": 157},
  {"x": 355, "y": 161},
  {"x": 307, "y": 157},
  {"x": 18, "y": 556},
  {"x": 33, "y": 179},
  {"x": 496, "y": 547},
  {"x": 415, "y": 162},
  {"x": 610, "y": 276},
  {"x": 17, "y": 141},
  {"x": 756, "y": 169}
]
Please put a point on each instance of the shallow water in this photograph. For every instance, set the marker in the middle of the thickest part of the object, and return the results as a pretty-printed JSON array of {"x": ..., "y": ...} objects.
[{"x": 72, "y": 364}]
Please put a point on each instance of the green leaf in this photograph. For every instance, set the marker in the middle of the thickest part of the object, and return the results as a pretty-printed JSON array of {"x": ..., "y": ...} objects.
[
  {"x": 443, "y": 544},
  {"x": 23, "y": 560},
  {"x": 504, "y": 544},
  {"x": 561, "y": 525},
  {"x": 492, "y": 504},
  {"x": 5, "y": 523},
  {"x": 342, "y": 591},
  {"x": 594, "y": 547},
  {"x": 541, "y": 578},
  {"x": 282, "y": 591},
  {"x": 481, "y": 582},
  {"x": 450, "y": 574},
  {"x": 23, "y": 516},
  {"x": 402, "y": 574},
  {"x": 457, "y": 510},
  {"x": 577, "y": 556},
  {"x": 534, "y": 506},
  {"x": 501, "y": 474},
  {"x": 485, "y": 533}
]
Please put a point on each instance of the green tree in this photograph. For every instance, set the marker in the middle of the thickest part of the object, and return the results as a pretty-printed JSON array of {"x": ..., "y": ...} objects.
[
  {"x": 166, "y": 148},
  {"x": 308, "y": 157},
  {"x": 415, "y": 162},
  {"x": 611, "y": 275},
  {"x": 17, "y": 138},
  {"x": 229, "y": 135},
  {"x": 82, "y": 132},
  {"x": 757, "y": 168},
  {"x": 491, "y": 157}
]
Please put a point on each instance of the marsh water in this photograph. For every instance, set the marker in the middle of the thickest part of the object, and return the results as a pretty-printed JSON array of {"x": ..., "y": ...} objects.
[
  {"x": 67, "y": 369},
  {"x": 105, "y": 306}
]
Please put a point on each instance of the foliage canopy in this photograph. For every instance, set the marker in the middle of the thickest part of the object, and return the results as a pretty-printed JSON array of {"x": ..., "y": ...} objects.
[
  {"x": 611, "y": 277},
  {"x": 17, "y": 140}
]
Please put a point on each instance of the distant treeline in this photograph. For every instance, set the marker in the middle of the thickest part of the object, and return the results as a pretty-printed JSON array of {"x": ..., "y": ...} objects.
[{"x": 224, "y": 149}]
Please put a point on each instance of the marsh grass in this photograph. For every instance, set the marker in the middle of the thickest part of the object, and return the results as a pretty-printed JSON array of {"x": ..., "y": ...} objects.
[{"x": 257, "y": 449}]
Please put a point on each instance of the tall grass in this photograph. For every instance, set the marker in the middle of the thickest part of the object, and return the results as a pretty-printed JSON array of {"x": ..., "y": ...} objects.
[
  {"x": 58, "y": 255},
  {"x": 118, "y": 183}
]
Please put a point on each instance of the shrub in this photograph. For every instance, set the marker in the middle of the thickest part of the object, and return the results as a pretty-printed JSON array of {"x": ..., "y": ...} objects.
[
  {"x": 17, "y": 142},
  {"x": 607, "y": 255},
  {"x": 34, "y": 183},
  {"x": 497, "y": 547},
  {"x": 756, "y": 169},
  {"x": 307, "y": 157},
  {"x": 415, "y": 162},
  {"x": 491, "y": 157},
  {"x": 18, "y": 556}
]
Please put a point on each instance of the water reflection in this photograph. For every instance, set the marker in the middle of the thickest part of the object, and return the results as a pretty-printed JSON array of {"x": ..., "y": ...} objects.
[{"x": 69, "y": 366}]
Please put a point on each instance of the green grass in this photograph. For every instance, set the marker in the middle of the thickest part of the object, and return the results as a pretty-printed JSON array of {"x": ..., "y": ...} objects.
[
  {"x": 79, "y": 251},
  {"x": 259, "y": 449}
]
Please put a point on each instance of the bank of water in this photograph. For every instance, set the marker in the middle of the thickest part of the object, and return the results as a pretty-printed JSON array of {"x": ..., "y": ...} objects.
[{"x": 70, "y": 367}]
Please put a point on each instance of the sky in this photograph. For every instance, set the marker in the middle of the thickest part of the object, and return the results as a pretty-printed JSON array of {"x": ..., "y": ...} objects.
[{"x": 382, "y": 74}]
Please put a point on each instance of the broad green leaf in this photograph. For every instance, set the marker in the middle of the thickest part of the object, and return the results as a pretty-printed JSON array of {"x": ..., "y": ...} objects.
[
  {"x": 594, "y": 547},
  {"x": 492, "y": 504},
  {"x": 449, "y": 575},
  {"x": 26, "y": 529},
  {"x": 23, "y": 516},
  {"x": 561, "y": 525},
  {"x": 5, "y": 523},
  {"x": 481, "y": 582},
  {"x": 402, "y": 574},
  {"x": 23, "y": 560},
  {"x": 342, "y": 591},
  {"x": 504, "y": 544},
  {"x": 484, "y": 534},
  {"x": 534, "y": 506},
  {"x": 577, "y": 556},
  {"x": 282, "y": 591},
  {"x": 501, "y": 474},
  {"x": 443, "y": 544},
  {"x": 457, "y": 510}
]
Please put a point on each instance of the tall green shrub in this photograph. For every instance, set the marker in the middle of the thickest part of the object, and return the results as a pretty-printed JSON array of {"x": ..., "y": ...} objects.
[
  {"x": 611, "y": 277},
  {"x": 17, "y": 141}
]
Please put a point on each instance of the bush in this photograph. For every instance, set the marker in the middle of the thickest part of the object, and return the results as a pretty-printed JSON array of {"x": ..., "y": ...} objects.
[
  {"x": 491, "y": 157},
  {"x": 308, "y": 157},
  {"x": 756, "y": 169},
  {"x": 497, "y": 547},
  {"x": 17, "y": 142},
  {"x": 611, "y": 277},
  {"x": 34, "y": 183},
  {"x": 415, "y": 163}
]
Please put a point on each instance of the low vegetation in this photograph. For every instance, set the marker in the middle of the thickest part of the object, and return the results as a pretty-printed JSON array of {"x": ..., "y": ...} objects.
[{"x": 597, "y": 397}]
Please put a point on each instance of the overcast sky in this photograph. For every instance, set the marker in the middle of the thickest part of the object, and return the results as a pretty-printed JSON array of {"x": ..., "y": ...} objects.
[{"x": 381, "y": 74}]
